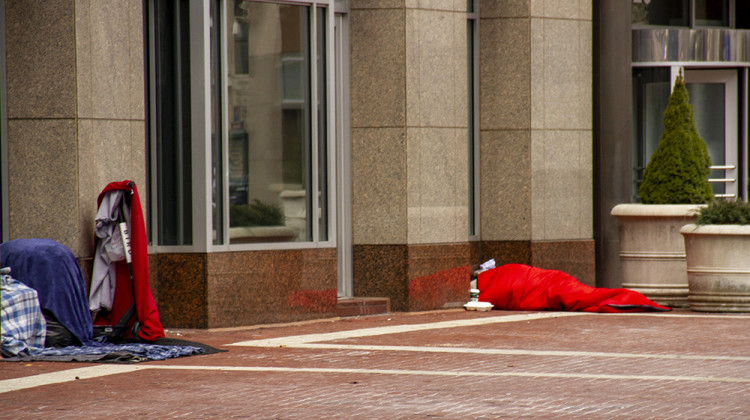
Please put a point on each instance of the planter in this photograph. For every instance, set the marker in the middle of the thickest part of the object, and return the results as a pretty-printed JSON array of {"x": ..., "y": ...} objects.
[
  {"x": 718, "y": 267},
  {"x": 652, "y": 251}
]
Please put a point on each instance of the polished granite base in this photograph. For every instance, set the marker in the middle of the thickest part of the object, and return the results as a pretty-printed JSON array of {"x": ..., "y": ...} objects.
[
  {"x": 230, "y": 289},
  {"x": 414, "y": 277},
  {"x": 363, "y": 306}
]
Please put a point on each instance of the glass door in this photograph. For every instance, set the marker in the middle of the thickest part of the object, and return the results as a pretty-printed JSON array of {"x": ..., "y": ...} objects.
[{"x": 713, "y": 95}]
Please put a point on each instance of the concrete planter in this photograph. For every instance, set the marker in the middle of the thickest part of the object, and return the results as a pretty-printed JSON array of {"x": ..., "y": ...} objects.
[
  {"x": 718, "y": 267},
  {"x": 652, "y": 251}
]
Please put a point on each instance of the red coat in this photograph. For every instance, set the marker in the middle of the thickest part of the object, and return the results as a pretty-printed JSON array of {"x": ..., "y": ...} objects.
[{"x": 138, "y": 289}]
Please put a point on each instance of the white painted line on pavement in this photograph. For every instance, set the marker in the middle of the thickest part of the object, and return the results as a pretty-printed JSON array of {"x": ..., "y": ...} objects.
[
  {"x": 673, "y": 315},
  {"x": 457, "y": 374},
  {"x": 517, "y": 352},
  {"x": 395, "y": 329},
  {"x": 313, "y": 341},
  {"x": 69, "y": 375}
]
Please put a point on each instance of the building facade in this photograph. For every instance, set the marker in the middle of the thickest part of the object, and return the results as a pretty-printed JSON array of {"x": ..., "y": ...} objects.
[{"x": 294, "y": 155}]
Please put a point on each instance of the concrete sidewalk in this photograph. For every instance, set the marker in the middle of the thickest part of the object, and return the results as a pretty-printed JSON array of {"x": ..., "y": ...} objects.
[{"x": 445, "y": 364}]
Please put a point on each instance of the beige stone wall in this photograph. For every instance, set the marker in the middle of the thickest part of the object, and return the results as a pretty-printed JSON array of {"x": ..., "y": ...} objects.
[
  {"x": 76, "y": 116},
  {"x": 378, "y": 123},
  {"x": 536, "y": 123},
  {"x": 409, "y": 122},
  {"x": 437, "y": 122}
]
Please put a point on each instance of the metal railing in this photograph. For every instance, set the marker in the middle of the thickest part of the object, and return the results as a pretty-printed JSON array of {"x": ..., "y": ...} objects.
[{"x": 723, "y": 180}]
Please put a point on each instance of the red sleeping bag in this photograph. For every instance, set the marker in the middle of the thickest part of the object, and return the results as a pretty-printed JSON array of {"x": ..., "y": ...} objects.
[{"x": 519, "y": 287}]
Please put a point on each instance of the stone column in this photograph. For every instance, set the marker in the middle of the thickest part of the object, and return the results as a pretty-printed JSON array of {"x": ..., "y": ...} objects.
[
  {"x": 536, "y": 134},
  {"x": 76, "y": 118},
  {"x": 409, "y": 150},
  {"x": 613, "y": 132},
  {"x": 41, "y": 107}
]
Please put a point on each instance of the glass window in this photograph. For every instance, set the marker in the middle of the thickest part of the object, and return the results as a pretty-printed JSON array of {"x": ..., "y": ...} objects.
[
  {"x": 472, "y": 89},
  {"x": 170, "y": 120},
  {"x": 322, "y": 113},
  {"x": 660, "y": 12},
  {"x": 217, "y": 166},
  {"x": 651, "y": 90},
  {"x": 708, "y": 103},
  {"x": 266, "y": 121},
  {"x": 277, "y": 121},
  {"x": 742, "y": 14},
  {"x": 712, "y": 12}
]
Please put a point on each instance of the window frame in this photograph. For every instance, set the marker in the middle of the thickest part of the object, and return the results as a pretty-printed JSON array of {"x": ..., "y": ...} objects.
[
  {"x": 473, "y": 121},
  {"x": 201, "y": 124}
]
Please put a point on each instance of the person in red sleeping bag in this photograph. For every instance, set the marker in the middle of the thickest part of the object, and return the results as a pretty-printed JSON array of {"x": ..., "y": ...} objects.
[{"x": 520, "y": 287}]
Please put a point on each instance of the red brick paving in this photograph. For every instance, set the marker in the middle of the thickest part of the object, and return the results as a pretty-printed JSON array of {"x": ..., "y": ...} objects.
[{"x": 715, "y": 383}]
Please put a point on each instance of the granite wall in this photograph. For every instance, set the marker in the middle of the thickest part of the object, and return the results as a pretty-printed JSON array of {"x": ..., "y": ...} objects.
[
  {"x": 409, "y": 76},
  {"x": 226, "y": 289},
  {"x": 536, "y": 134},
  {"x": 76, "y": 119}
]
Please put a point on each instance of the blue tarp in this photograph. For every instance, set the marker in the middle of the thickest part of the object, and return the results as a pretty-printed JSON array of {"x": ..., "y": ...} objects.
[{"x": 53, "y": 271}]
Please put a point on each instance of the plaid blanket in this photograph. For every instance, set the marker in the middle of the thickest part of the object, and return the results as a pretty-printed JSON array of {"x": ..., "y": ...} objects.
[
  {"x": 23, "y": 325},
  {"x": 106, "y": 352},
  {"x": 24, "y": 331}
]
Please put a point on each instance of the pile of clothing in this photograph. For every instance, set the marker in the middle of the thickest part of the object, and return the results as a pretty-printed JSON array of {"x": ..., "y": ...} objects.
[
  {"x": 47, "y": 311},
  {"x": 45, "y": 314}
]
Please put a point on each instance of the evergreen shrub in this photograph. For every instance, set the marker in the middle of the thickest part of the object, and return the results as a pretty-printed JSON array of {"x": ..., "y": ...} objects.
[
  {"x": 724, "y": 212},
  {"x": 257, "y": 213},
  {"x": 679, "y": 168}
]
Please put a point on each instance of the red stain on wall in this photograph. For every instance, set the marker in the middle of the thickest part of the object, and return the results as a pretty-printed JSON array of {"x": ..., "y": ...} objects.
[
  {"x": 435, "y": 290},
  {"x": 314, "y": 300}
]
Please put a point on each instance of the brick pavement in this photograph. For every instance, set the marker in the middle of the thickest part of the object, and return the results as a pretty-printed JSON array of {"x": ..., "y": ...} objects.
[{"x": 443, "y": 364}]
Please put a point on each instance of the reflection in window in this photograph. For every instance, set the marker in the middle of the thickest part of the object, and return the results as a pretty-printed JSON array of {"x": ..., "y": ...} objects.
[
  {"x": 321, "y": 59},
  {"x": 712, "y": 13},
  {"x": 217, "y": 171},
  {"x": 270, "y": 96},
  {"x": 742, "y": 15},
  {"x": 240, "y": 29},
  {"x": 708, "y": 102},
  {"x": 171, "y": 116},
  {"x": 660, "y": 12},
  {"x": 651, "y": 90},
  {"x": 472, "y": 89}
]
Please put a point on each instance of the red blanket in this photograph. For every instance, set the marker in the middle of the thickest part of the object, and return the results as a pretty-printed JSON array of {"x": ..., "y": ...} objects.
[
  {"x": 126, "y": 289},
  {"x": 519, "y": 287}
]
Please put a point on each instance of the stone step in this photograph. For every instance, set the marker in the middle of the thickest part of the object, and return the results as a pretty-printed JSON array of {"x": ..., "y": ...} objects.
[{"x": 363, "y": 306}]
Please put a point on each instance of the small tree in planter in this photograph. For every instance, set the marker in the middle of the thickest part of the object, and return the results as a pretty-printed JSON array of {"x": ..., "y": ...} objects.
[
  {"x": 679, "y": 168},
  {"x": 675, "y": 183}
]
